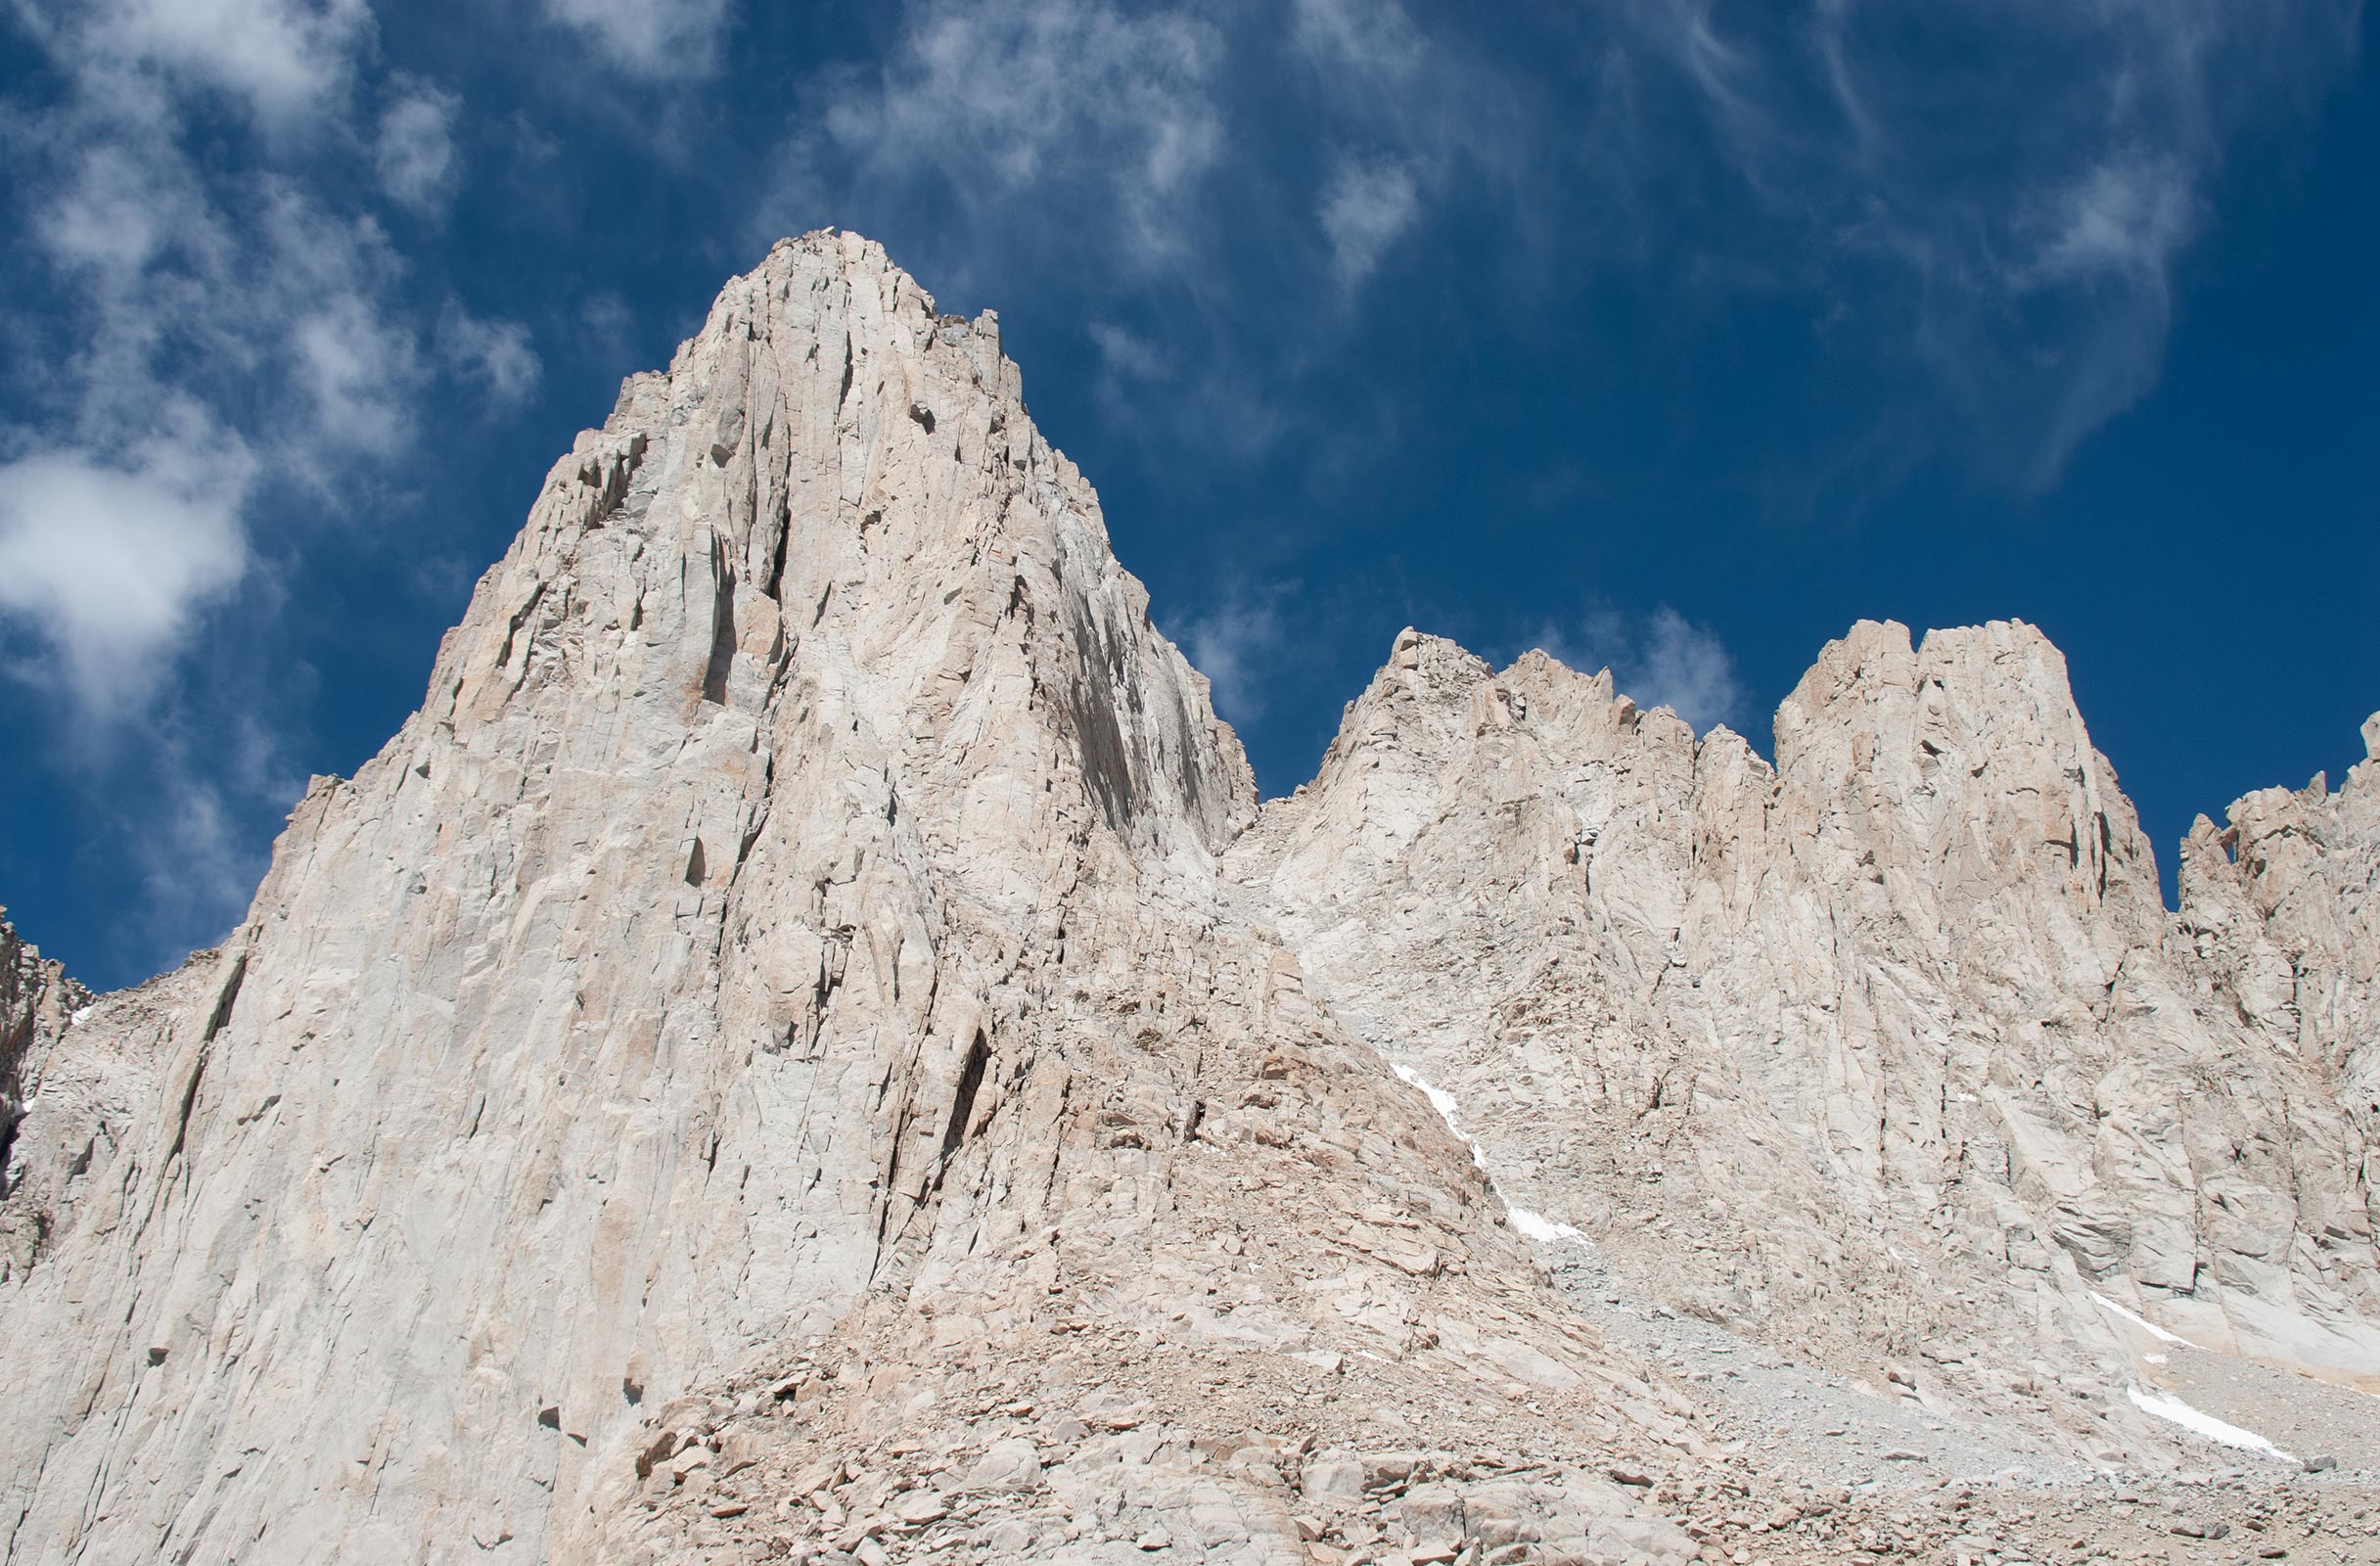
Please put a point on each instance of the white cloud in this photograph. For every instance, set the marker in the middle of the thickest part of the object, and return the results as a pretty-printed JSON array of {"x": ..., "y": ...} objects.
[
  {"x": 2125, "y": 218},
  {"x": 497, "y": 354},
  {"x": 1657, "y": 660},
  {"x": 1125, "y": 356},
  {"x": 197, "y": 866},
  {"x": 315, "y": 297},
  {"x": 107, "y": 562},
  {"x": 187, "y": 285},
  {"x": 1365, "y": 208},
  {"x": 1685, "y": 667},
  {"x": 2001, "y": 206},
  {"x": 208, "y": 317},
  {"x": 358, "y": 372},
  {"x": 1371, "y": 38},
  {"x": 414, "y": 150},
  {"x": 200, "y": 840},
  {"x": 1077, "y": 101},
  {"x": 120, "y": 210},
  {"x": 214, "y": 331},
  {"x": 1235, "y": 644},
  {"x": 1372, "y": 61},
  {"x": 283, "y": 57},
  {"x": 1416, "y": 116},
  {"x": 608, "y": 324},
  {"x": 653, "y": 38}
]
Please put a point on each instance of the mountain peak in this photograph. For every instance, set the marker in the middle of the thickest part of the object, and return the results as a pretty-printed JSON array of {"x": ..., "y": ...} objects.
[{"x": 806, "y": 1043}]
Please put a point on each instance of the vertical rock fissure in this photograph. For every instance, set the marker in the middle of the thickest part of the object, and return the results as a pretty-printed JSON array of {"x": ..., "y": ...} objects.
[
  {"x": 962, "y": 1106},
  {"x": 217, "y": 1021},
  {"x": 722, "y": 624}
]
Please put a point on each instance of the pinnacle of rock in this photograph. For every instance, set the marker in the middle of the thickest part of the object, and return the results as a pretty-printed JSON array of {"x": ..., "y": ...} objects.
[{"x": 807, "y": 1046}]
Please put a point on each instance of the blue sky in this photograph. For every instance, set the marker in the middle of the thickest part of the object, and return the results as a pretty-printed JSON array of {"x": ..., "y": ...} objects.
[{"x": 1667, "y": 334}]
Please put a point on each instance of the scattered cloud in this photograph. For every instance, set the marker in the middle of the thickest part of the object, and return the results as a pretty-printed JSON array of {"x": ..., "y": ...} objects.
[
  {"x": 415, "y": 151},
  {"x": 210, "y": 321},
  {"x": 1374, "y": 39},
  {"x": 1997, "y": 202},
  {"x": 280, "y": 58},
  {"x": 2122, "y": 218},
  {"x": 652, "y": 38},
  {"x": 197, "y": 865},
  {"x": 1685, "y": 667},
  {"x": 497, "y": 354},
  {"x": 118, "y": 211},
  {"x": 1087, "y": 105},
  {"x": 358, "y": 372},
  {"x": 109, "y": 561},
  {"x": 608, "y": 326},
  {"x": 238, "y": 301},
  {"x": 1657, "y": 660},
  {"x": 1237, "y": 643},
  {"x": 1365, "y": 208},
  {"x": 319, "y": 298},
  {"x": 192, "y": 845},
  {"x": 1413, "y": 117},
  {"x": 1129, "y": 363},
  {"x": 1984, "y": 209},
  {"x": 1125, "y": 356}
]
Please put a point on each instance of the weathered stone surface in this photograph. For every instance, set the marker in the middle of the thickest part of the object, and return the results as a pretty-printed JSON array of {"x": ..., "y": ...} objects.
[
  {"x": 40, "y": 1156},
  {"x": 806, "y": 1047},
  {"x": 779, "y": 972},
  {"x": 1890, "y": 1048}
]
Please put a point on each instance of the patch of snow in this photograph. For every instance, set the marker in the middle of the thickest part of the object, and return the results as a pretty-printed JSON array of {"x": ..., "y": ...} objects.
[
  {"x": 2165, "y": 1405},
  {"x": 1537, "y": 1226},
  {"x": 2157, "y": 1359},
  {"x": 79, "y": 1013},
  {"x": 1444, "y": 1102},
  {"x": 2142, "y": 1323},
  {"x": 1533, "y": 1225}
]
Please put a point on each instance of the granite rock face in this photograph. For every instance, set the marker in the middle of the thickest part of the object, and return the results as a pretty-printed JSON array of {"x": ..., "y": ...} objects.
[
  {"x": 807, "y": 1045},
  {"x": 1889, "y": 1051},
  {"x": 39, "y": 1003},
  {"x": 785, "y": 951}
]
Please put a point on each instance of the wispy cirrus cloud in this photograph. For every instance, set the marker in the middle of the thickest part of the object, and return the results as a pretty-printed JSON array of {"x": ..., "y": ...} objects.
[
  {"x": 1365, "y": 208},
  {"x": 1994, "y": 197},
  {"x": 1407, "y": 114},
  {"x": 498, "y": 355},
  {"x": 1081, "y": 103},
  {"x": 656, "y": 39}
]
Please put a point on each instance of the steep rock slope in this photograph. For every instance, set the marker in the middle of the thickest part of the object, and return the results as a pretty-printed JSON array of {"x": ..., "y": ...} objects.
[
  {"x": 1887, "y": 1053},
  {"x": 771, "y": 998},
  {"x": 37, "y": 1004},
  {"x": 806, "y": 1046}
]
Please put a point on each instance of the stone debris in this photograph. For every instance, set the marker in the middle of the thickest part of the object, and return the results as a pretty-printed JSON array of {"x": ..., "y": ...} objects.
[{"x": 809, "y": 1048}]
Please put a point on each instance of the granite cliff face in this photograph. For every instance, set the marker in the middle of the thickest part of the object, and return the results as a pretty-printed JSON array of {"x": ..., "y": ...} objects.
[
  {"x": 1890, "y": 1051},
  {"x": 38, "y": 1005},
  {"x": 807, "y": 1045}
]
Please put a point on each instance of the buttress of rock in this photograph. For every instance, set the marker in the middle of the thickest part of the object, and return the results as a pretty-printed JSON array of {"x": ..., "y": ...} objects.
[
  {"x": 787, "y": 938},
  {"x": 1888, "y": 1049},
  {"x": 808, "y": 1039}
]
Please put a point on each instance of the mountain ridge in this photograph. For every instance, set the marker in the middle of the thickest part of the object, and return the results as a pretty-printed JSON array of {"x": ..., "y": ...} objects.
[{"x": 810, "y": 1019}]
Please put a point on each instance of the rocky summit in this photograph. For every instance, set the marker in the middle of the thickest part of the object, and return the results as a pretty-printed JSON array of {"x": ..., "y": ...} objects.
[{"x": 807, "y": 1046}]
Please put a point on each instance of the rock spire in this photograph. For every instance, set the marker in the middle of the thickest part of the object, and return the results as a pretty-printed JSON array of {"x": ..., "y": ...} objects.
[{"x": 806, "y": 1044}]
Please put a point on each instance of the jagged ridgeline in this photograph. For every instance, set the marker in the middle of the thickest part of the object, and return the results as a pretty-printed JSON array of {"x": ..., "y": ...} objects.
[{"x": 806, "y": 1045}]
